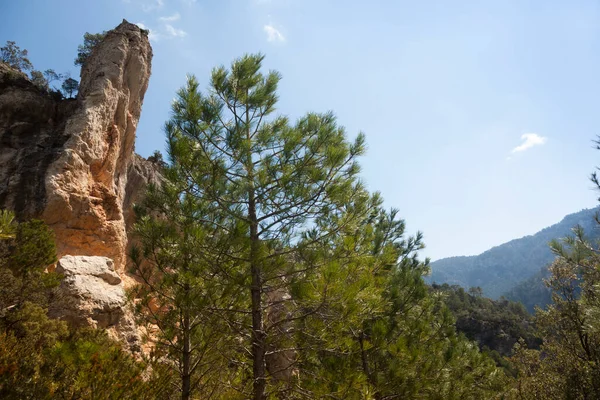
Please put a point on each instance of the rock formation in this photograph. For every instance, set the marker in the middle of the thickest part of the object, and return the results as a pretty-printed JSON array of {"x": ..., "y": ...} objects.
[
  {"x": 68, "y": 162},
  {"x": 91, "y": 294},
  {"x": 85, "y": 186},
  {"x": 71, "y": 162}
]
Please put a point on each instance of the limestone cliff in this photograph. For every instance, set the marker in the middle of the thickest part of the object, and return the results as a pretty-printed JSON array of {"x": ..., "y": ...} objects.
[{"x": 69, "y": 161}]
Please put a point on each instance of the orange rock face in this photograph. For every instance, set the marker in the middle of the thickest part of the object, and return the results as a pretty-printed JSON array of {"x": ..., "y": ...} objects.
[{"x": 85, "y": 186}]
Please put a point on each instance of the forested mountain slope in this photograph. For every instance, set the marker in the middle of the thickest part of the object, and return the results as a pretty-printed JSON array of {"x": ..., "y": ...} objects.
[
  {"x": 532, "y": 292},
  {"x": 496, "y": 325},
  {"x": 501, "y": 268}
]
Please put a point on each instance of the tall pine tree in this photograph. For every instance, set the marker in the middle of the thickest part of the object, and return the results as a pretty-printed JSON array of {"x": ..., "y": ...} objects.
[{"x": 264, "y": 188}]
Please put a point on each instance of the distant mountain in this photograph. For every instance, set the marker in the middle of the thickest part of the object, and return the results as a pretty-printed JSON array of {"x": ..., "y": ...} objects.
[{"x": 501, "y": 268}]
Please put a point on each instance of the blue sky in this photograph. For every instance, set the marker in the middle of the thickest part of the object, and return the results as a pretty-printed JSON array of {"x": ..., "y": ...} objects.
[{"x": 479, "y": 115}]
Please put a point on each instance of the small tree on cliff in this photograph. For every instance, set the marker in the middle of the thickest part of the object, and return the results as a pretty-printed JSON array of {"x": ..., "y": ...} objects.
[
  {"x": 15, "y": 57},
  {"x": 90, "y": 40},
  {"x": 70, "y": 87},
  {"x": 38, "y": 79}
]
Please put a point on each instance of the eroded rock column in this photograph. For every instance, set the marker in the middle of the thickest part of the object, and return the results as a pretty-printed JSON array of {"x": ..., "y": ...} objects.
[{"x": 85, "y": 186}]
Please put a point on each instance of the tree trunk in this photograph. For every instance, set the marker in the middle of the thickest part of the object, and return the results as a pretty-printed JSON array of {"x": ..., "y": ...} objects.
[
  {"x": 258, "y": 334},
  {"x": 185, "y": 373},
  {"x": 365, "y": 365}
]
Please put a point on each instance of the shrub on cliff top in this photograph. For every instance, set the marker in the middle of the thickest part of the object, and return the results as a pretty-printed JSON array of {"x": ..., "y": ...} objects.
[{"x": 15, "y": 57}]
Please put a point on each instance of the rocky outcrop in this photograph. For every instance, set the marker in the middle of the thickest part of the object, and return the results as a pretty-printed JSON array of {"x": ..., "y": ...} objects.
[
  {"x": 85, "y": 186},
  {"x": 91, "y": 294},
  {"x": 68, "y": 161},
  {"x": 71, "y": 162}
]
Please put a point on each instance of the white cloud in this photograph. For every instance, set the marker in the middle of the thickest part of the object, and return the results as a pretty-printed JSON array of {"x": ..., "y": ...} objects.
[
  {"x": 170, "y": 18},
  {"x": 273, "y": 35},
  {"x": 174, "y": 32},
  {"x": 529, "y": 140},
  {"x": 153, "y": 5}
]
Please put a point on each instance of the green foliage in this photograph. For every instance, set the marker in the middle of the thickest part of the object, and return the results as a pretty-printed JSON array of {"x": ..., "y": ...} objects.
[
  {"x": 157, "y": 158},
  {"x": 40, "y": 358},
  {"x": 50, "y": 75},
  {"x": 7, "y": 225},
  {"x": 70, "y": 87},
  {"x": 15, "y": 57},
  {"x": 22, "y": 268},
  {"x": 265, "y": 261},
  {"x": 90, "y": 365},
  {"x": 35, "y": 249},
  {"x": 90, "y": 40},
  {"x": 567, "y": 366},
  {"x": 496, "y": 325},
  {"x": 24, "y": 257},
  {"x": 21, "y": 351},
  {"x": 43, "y": 80},
  {"x": 180, "y": 298},
  {"x": 532, "y": 292},
  {"x": 39, "y": 80},
  {"x": 390, "y": 337}
]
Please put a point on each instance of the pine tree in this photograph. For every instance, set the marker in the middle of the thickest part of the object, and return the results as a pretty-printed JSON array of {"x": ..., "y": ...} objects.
[
  {"x": 181, "y": 297},
  {"x": 24, "y": 257},
  {"x": 568, "y": 363},
  {"x": 382, "y": 334},
  {"x": 266, "y": 190}
]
